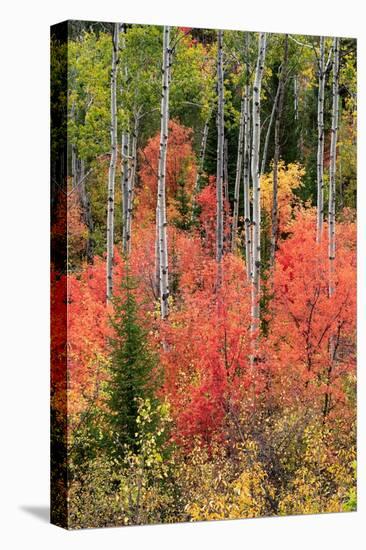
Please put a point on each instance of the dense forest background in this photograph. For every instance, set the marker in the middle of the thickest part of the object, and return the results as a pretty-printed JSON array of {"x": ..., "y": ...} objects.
[{"x": 211, "y": 274}]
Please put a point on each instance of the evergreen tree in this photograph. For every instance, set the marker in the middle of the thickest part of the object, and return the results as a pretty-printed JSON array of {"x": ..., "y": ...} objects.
[{"x": 133, "y": 371}]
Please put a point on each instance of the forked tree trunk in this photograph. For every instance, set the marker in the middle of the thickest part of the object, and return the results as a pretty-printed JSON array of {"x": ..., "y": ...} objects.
[
  {"x": 220, "y": 160},
  {"x": 256, "y": 239},
  {"x": 161, "y": 201},
  {"x": 332, "y": 167},
  {"x": 276, "y": 157},
  {"x": 112, "y": 164},
  {"x": 239, "y": 162}
]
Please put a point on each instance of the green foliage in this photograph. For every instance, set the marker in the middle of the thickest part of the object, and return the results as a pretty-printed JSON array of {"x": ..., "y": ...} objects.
[
  {"x": 134, "y": 372},
  {"x": 89, "y": 101}
]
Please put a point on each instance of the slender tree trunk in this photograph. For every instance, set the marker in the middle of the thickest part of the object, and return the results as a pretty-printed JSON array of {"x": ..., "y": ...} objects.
[
  {"x": 157, "y": 257},
  {"x": 323, "y": 68},
  {"x": 125, "y": 150},
  {"x": 256, "y": 241},
  {"x": 296, "y": 98},
  {"x": 246, "y": 171},
  {"x": 86, "y": 209},
  {"x": 112, "y": 165},
  {"x": 161, "y": 202},
  {"x": 246, "y": 178},
  {"x": 239, "y": 162},
  {"x": 74, "y": 167},
  {"x": 226, "y": 171},
  {"x": 201, "y": 160},
  {"x": 332, "y": 167},
  {"x": 125, "y": 184},
  {"x": 269, "y": 130},
  {"x": 220, "y": 160},
  {"x": 131, "y": 184},
  {"x": 276, "y": 157},
  {"x": 202, "y": 155},
  {"x": 331, "y": 212}
]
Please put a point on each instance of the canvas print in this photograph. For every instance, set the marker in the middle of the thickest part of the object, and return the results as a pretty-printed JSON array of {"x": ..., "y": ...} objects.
[{"x": 203, "y": 269}]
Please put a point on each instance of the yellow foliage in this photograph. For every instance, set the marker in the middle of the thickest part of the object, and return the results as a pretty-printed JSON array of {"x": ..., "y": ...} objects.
[
  {"x": 289, "y": 179},
  {"x": 325, "y": 479},
  {"x": 217, "y": 491}
]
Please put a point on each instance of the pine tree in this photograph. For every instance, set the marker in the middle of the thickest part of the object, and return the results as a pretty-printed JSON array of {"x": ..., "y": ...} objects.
[{"x": 133, "y": 371}]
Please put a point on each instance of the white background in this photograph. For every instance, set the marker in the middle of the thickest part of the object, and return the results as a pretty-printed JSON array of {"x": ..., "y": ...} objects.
[{"x": 24, "y": 238}]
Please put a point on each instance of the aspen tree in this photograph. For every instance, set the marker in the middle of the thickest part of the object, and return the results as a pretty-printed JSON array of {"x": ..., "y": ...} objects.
[
  {"x": 220, "y": 159},
  {"x": 131, "y": 184},
  {"x": 256, "y": 238},
  {"x": 239, "y": 162},
  {"x": 113, "y": 161},
  {"x": 332, "y": 166},
  {"x": 125, "y": 178},
  {"x": 322, "y": 71},
  {"x": 246, "y": 168},
  {"x": 331, "y": 207},
  {"x": 125, "y": 149},
  {"x": 276, "y": 157},
  {"x": 161, "y": 200}
]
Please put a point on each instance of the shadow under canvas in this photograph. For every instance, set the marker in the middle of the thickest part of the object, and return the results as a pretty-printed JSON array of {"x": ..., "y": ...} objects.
[{"x": 40, "y": 512}]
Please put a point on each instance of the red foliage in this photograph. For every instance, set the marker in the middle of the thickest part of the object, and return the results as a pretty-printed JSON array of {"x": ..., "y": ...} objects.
[
  {"x": 180, "y": 169},
  {"x": 304, "y": 318}
]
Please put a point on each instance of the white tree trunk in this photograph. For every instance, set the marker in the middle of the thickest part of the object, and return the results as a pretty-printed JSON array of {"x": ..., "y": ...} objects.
[
  {"x": 161, "y": 202},
  {"x": 156, "y": 284},
  {"x": 131, "y": 183},
  {"x": 332, "y": 167},
  {"x": 246, "y": 178},
  {"x": 112, "y": 164},
  {"x": 220, "y": 160},
  {"x": 125, "y": 146},
  {"x": 256, "y": 240},
  {"x": 239, "y": 162},
  {"x": 323, "y": 68},
  {"x": 246, "y": 171}
]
